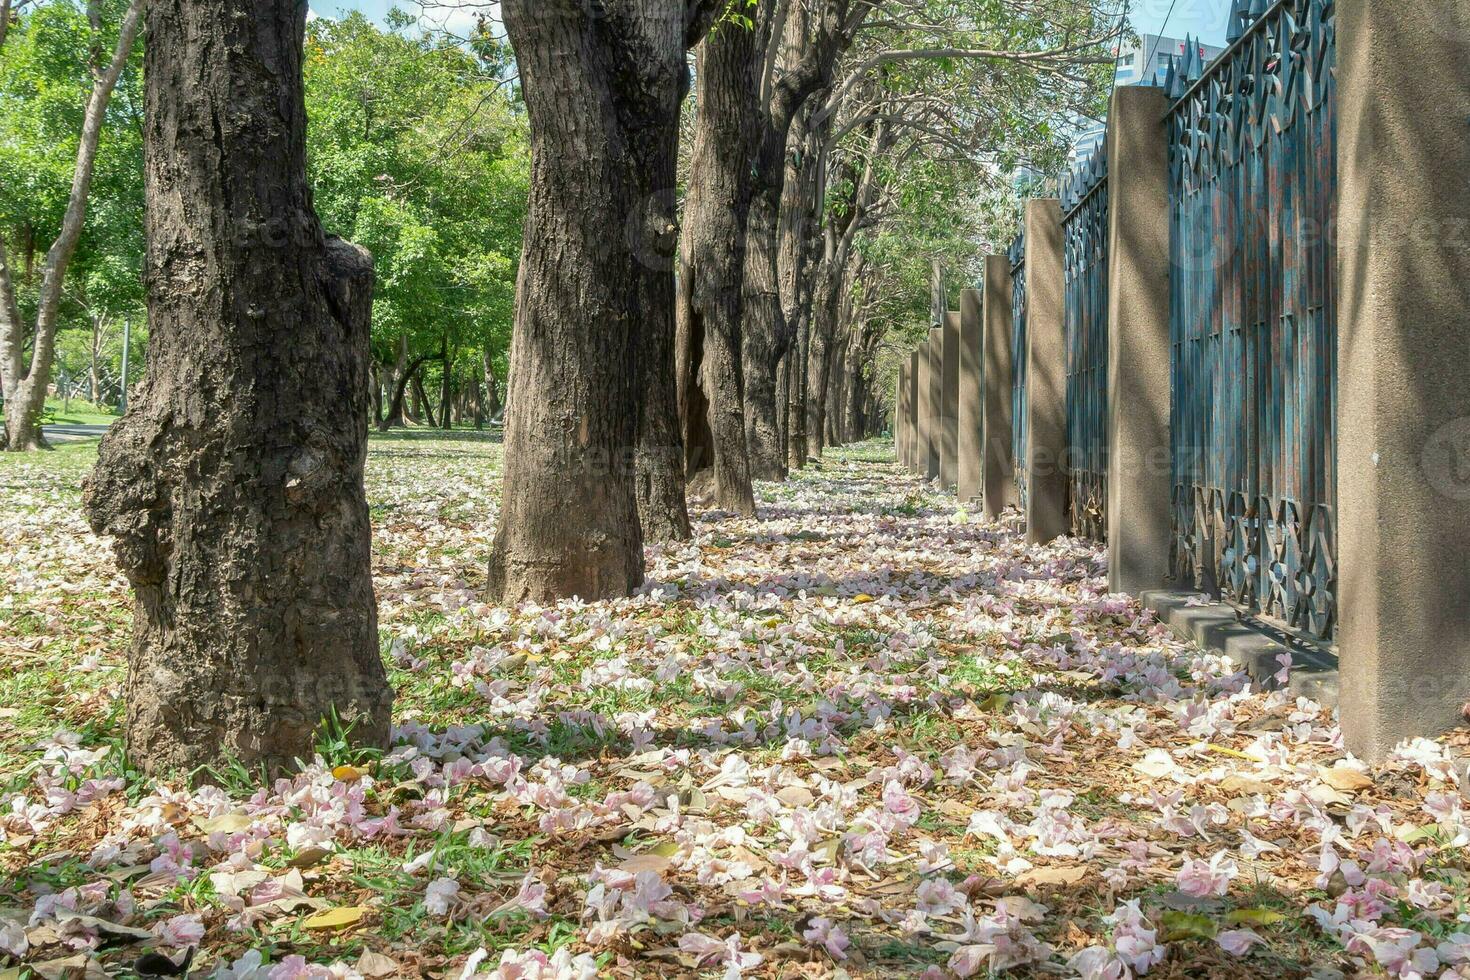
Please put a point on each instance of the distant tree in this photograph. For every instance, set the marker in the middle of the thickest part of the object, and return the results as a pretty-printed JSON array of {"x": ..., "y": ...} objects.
[
  {"x": 233, "y": 488},
  {"x": 59, "y": 71},
  {"x": 418, "y": 152}
]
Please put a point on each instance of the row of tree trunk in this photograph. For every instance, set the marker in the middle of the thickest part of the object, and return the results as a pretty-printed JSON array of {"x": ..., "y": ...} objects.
[
  {"x": 399, "y": 397},
  {"x": 233, "y": 489}
]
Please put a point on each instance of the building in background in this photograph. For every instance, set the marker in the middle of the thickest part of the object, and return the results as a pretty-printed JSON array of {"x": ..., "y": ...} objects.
[{"x": 1144, "y": 62}]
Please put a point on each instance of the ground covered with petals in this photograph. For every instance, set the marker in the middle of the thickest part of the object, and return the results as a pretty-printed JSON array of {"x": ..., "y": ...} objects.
[{"x": 865, "y": 733}]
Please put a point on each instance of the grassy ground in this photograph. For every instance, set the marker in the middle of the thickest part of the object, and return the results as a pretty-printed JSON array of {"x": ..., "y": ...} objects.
[
  {"x": 79, "y": 412},
  {"x": 863, "y": 732}
]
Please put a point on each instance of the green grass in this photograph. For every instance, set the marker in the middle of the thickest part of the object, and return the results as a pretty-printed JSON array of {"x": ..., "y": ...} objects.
[{"x": 79, "y": 412}]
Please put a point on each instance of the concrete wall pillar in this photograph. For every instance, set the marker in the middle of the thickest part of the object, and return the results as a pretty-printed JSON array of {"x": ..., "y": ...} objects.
[
  {"x": 950, "y": 392},
  {"x": 921, "y": 404},
  {"x": 935, "y": 398},
  {"x": 999, "y": 489},
  {"x": 911, "y": 453},
  {"x": 972, "y": 399},
  {"x": 1403, "y": 439},
  {"x": 1140, "y": 484},
  {"x": 900, "y": 409},
  {"x": 1046, "y": 374}
]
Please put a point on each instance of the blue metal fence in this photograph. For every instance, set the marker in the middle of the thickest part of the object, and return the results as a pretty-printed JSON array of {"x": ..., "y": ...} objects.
[
  {"x": 1254, "y": 327},
  {"x": 1019, "y": 429},
  {"x": 1085, "y": 264}
]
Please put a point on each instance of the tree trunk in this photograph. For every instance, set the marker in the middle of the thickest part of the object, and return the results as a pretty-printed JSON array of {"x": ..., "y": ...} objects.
[
  {"x": 446, "y": 386},
  {"x": 234, "y": 486},
  {"x": 662, "y": 508},
  {"x": 767, "y": 334},
  {"x": 801, "y": 213},
  {"x": 714, "y": 241},
  {"x": 689, "y": 356},
  {"x": 423, "y": 409},
  {"x": 492, "y": 387},
  {"x": 396, "y": 408},
  {"x": 765, "y": 338},
  {"x": 377, "y": 389},
  {"x": 824, "y": 316},
  {"x": 837, "y": 352},
  {"x": 602, "y": 94},
  {"x": 94, "y": 377}
]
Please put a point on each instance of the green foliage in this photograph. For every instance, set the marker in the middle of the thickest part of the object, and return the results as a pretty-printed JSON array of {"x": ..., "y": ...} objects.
[
  {"x": 45, "y": 82},
  {"x": 418, "y": 152},
  {"x": 417, "y": 149}
]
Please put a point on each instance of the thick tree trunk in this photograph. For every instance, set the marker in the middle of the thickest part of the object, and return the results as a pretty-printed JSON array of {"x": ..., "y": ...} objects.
[
  {"x": 801, "y": 210},
  {"x": 659, "y": 462},
  {"x": 234, "y": 485},
  {"x": 838, "y": 354},
  {"x": 603, "y": 95},
  {"x": 824, "y": 316},
  {"x": 765, "y": 338},
  {"x": 714, "y": 241},
  {"x": 694, "y": 405}
]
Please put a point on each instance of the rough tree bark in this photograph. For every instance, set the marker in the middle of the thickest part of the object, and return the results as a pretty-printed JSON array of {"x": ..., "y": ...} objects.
[
  {"x": 713, "y": 249},
  {"x": 24, "y": 386},
  {"x": 233, "y": 488},
  {"x": 824, "y": 318},
  {"x": 659, "y": 464},
  {"x": 602, "y": 93},
  {"x": 802, "y": 205}
]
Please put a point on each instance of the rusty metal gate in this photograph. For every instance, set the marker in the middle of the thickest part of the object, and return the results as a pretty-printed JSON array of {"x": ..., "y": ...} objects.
[{"x": 1253, "y": 192}]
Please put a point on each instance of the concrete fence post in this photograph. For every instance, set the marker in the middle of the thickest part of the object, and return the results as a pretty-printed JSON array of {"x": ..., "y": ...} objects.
[
  {"x": 1046, "y": 374},
  {"x": 1140, "y": 485},
  {"x": 1403, "y": 418},
  {"x": 999, "y": 487},
  {"x": 921, "y": 448},
  {"x": 935, "y": 398},
  {"x": 912, "y": 449},
  {"x": 949, "y": 448},
  {"x": 971, "y": 419},
  {"x": 900, "y": 408}
]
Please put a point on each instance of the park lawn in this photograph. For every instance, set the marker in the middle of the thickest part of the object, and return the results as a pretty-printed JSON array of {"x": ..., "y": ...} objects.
[
  {"x": 865, "y": 731},
  {"x": 78, "y": 412}
]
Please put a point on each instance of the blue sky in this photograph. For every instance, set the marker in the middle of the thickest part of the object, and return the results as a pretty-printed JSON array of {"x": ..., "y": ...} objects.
[{"x": 1205, "y": 18}]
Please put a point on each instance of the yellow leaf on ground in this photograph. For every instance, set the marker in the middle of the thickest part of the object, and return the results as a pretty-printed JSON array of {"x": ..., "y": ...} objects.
[
  {"x": 228, "y": 823},
  {"x": 645, "y": 862},
  {"x": 1347, "y": 780},
  {"x": 347, "y": 774},
  {"x": 340, "y": 918},
  {"x": 371, "y": 964},
  {"x": 862, "y": 598},
  {"x": 1254, "y": 917},
  {"x": 1184, "y": 925},
  {"x": 1222, "y": 750},
  {"x": 1052, "y": 876}
]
